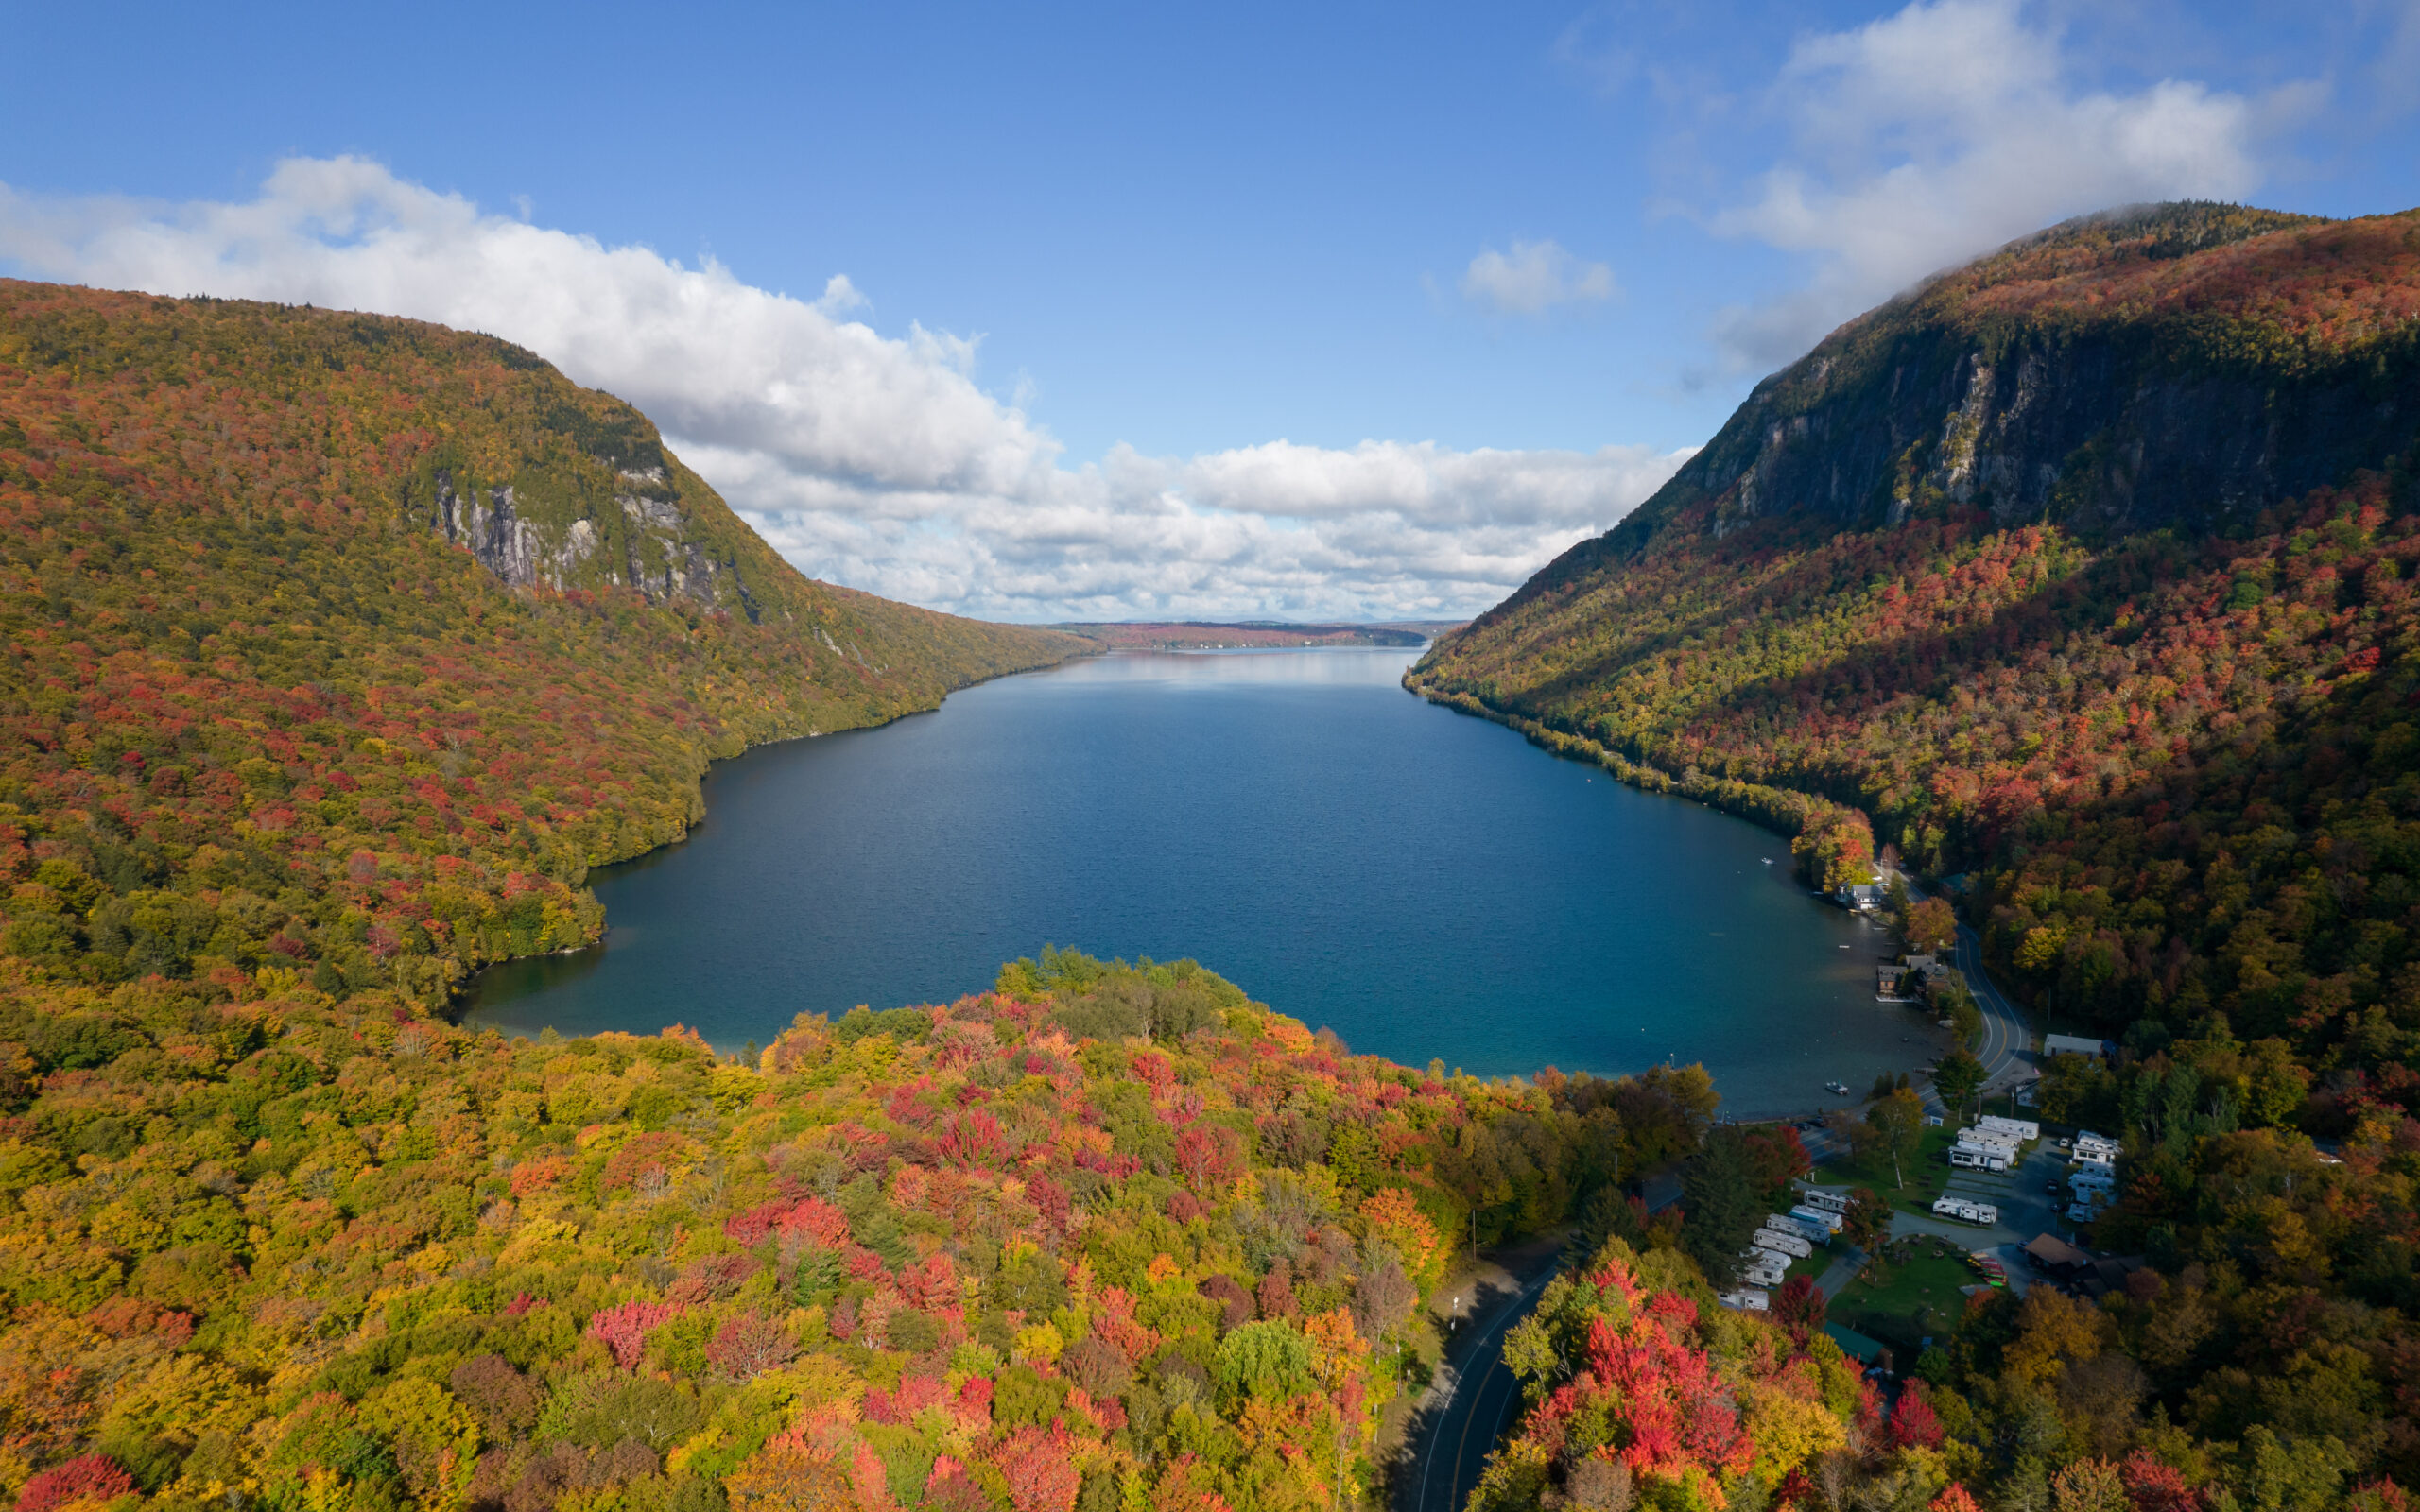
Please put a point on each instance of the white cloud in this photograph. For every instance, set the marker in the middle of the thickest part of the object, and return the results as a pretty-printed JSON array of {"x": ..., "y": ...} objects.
[
  {"x": 1534, "y": 277},
  {"x": 876, "y": 461},
  {"x": 1935, "y": 134}
]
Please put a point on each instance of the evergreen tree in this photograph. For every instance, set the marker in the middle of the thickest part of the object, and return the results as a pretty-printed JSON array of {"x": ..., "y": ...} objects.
[{"x": 1719, "y": 1195}]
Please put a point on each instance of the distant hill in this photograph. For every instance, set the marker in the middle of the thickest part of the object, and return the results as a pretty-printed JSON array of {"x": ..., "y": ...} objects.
[
  {"x": 341, "y": 646},
  {"x": 1205, "y": 635}
]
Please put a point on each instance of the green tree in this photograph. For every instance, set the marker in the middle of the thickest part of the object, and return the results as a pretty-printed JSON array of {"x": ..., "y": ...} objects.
[
  {"x": 1268, "y": 1359},
  {"x": 1959, "y": 1078},
  {"x": 1719, "y": 1199},
  {"x": 1900, "y": 1119}
]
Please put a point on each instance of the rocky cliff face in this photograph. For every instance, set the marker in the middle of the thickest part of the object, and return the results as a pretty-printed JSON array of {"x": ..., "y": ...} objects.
[
  {"x": 2105, "y": 436},
  {"x": 640, "y": 539},
  {"x": 2183, "y": 366}
]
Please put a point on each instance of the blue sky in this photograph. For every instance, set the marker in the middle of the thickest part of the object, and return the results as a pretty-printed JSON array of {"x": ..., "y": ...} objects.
[{"x": 1485, "y": 268}]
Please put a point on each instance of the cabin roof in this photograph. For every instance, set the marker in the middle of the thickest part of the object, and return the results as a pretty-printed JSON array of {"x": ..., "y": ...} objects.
[{"x": 2052, "y": 1250}]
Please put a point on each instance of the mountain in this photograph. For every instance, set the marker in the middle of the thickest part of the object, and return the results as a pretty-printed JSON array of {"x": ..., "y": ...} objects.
[
  {"x": 341, "y": 646},
  {"x": 2086, "y": 566},
  {"x": 338, "y": 648},
  {"x": 2083, "y": 576},
  {"x": 1211, "y": 635}
]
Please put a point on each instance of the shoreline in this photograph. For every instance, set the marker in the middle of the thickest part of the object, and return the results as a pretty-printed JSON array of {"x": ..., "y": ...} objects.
[
  {"x": 456, "y": 1005},
  {"x": 1760, "y": 1086}
]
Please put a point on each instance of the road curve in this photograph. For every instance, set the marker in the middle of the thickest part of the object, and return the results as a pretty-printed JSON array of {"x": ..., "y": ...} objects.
[
  {"x": 1449, "y": 1448},
  {"x": 2008, "y": 1038},
  {"x": 2007, "y": 1034}
]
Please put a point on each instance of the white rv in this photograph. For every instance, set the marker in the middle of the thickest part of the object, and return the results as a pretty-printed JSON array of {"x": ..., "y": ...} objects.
[
  {"x": 1747, "y": 1299},
  {"x": 1969, "y": 1159},
  {"x": 1828, "y": 1201},
  {"x": 2026, "y": 1130},
  {"x": 1762, "y": 1276},
  {"x": 1789, "y": 1241},
  {"x": 1806, "y": 1229},
  {"x": 1966, "y": 1211}
]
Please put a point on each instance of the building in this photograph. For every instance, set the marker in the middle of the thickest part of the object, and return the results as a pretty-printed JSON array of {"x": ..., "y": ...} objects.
[
  {"x": 1864, "y": 897},
  {"x": 1909, "y": 978},
  {"x": 2073, "y": 1045},
  {"x": 2054, "y": 1256}
]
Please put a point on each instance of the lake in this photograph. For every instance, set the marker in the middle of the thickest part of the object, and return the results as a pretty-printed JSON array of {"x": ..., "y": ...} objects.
[{"x": 1428, "y": 885}]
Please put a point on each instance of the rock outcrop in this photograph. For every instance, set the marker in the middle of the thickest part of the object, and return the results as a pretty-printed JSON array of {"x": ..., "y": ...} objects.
[{"x": 2176, "y": 368}]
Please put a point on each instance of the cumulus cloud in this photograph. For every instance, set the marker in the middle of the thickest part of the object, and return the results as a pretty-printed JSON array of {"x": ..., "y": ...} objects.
[
  {"x": 1952, "y": 127},
  {"x": 1534, "y": 277},
  {"x": 874, "y": 460}
]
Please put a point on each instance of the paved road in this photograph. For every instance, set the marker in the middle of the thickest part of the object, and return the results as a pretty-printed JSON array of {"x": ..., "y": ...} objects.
[
  {"x": 1476, "y": 1396},
  {"x": 2007, "y": 1050},
  {"x": 2008, "y": 1036}
]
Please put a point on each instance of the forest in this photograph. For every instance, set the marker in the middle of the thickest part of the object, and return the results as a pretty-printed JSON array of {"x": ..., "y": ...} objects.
[
  {"x": 262, "y": 725},
  {"x": 2164, "y": 758},
  {"x": 286, "y": 756}
]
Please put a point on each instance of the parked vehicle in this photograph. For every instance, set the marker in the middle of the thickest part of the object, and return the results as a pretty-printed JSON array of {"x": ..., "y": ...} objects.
[
  {"x": 1789, "y": 1240},
  {"x": 1828, "y": 1201},
  {"x": 1747, "y": 1299},
  {"x": 1830, "y": 1222},
  {"x": 1972, "y": 1159},
  {"x": 1762, "y": 1276},
  {"x": 2025, "y": 1129},
  {"x": 1814, "y": 1234},
  {"x": 1965, "y": 1211}
]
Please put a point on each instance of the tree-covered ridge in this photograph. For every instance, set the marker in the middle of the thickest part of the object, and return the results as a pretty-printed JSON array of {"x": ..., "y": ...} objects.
[
  {"x": 1104, "y": 1237},
  {"x": 260, "y": 724},
  {"x": 2176, "y": 771}
]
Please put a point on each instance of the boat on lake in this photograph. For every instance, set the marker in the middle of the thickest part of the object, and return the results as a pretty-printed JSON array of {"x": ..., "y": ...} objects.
[{"x": 1839, "y": 1088}]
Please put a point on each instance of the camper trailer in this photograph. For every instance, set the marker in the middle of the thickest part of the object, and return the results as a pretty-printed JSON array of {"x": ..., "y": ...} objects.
[
  {"x": 2026, "y": 1130},
  {"x": 1789, "y": 1241},
  {"x": 1830, "y": 1222},
  {"x": 1747, "y": 1299},
  {"x": 1827, "y": 1201},
  {"x": 1814, "y": 1234},
  {"x": 1762, "y": 1276},
  {"x": 1974, "y": 1159},
  {"x": 1964, "y": 1210}
]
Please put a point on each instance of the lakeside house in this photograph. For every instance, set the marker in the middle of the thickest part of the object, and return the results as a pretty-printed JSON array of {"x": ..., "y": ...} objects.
[
  {"x": 1909, "y": 978},
  {"x": 1860, "y": 897}
]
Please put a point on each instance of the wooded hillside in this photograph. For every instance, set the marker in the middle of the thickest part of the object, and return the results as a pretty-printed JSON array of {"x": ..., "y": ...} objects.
[{"x": 263, "y": 722}]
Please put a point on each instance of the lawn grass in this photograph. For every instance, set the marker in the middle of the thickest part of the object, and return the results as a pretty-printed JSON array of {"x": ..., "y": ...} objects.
[
  {"x": 1927, "y": 1172},
  {"x": 1889, "y": 1307}
]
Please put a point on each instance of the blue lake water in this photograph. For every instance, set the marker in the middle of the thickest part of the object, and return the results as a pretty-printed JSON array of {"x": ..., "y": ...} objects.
[{"x": 1428, "y": 885}]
